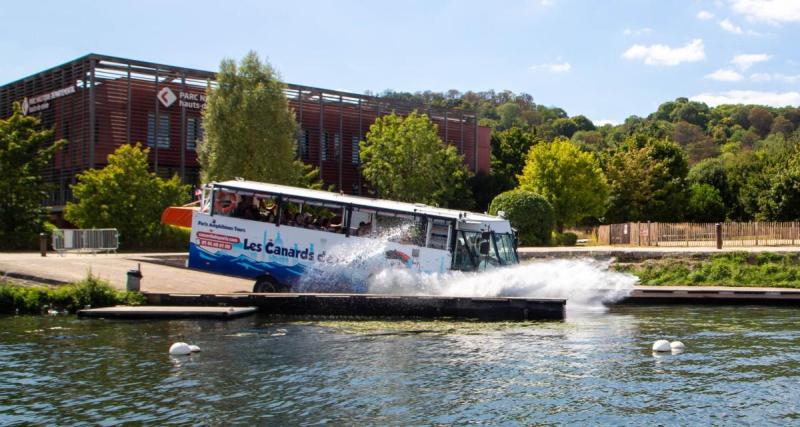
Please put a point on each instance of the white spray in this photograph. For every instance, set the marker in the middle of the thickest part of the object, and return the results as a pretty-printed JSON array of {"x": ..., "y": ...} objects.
[{"x": 585, "y": 283}]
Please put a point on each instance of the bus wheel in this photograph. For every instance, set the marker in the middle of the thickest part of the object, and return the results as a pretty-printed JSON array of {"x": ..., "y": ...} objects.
[{"x": 266, "y": 284}]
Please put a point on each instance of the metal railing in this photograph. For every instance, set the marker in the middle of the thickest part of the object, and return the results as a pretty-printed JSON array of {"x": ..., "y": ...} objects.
[{"x": 85, "y": 240}]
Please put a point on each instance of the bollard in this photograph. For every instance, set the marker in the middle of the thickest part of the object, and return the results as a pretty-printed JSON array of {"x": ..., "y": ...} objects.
[
  {"x": 134, "y": 281},
  {"x": 718, "y": 231},
  {"x": 43, "y": 243}
]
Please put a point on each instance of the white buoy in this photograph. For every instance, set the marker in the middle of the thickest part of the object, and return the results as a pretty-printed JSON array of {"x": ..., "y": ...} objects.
[
  {"x": 661, "y": 345},
  {"x": 194, "y": 348},
  {"x": 179, "y": 349},
  {"x": 677, "y": 345}
]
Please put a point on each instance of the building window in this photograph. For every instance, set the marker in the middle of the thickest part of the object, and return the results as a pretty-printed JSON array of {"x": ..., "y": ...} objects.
[
  {"x": 302, "y": 145},
  {"x": 163, "y": 130},
  {"x": 323, "y": 149},
  {"x": 337, "y": 146},
  {"x": 194, "y": 132},
  {"x": 356, "y": 149}
]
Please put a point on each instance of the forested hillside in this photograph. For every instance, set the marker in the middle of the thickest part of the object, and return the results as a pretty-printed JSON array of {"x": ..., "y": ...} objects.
[{"x": 684, "y": 162}]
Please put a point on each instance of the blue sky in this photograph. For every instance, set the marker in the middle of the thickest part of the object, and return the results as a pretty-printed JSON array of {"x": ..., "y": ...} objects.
[{"x": 604, "y": 59}]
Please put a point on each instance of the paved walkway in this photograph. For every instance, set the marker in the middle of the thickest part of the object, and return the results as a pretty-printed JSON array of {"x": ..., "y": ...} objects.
[{"x": 157, "y": 277}]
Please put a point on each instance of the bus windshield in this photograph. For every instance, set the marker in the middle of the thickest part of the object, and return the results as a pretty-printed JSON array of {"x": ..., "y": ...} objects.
[{"x": 467, "y": 255}]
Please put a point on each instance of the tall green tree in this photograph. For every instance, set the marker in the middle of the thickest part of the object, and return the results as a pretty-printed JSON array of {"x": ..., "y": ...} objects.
[
  {"x": 250, "y": 131},
  {"x": 404, "y": 159},
  {"x": 125, "y": 195},
  {"x": 570, "y": 179},
  {"x": 509, "y": 148},
  {"x": 648, "y": 181},
  {"x": 25, "y": 150}
]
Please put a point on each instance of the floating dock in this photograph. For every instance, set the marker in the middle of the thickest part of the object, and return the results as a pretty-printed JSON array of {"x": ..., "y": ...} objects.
[
  {"x": 712, "y": 295},
  {"x": 161, "y": 312},
  {"x": 369, "y": 305}
]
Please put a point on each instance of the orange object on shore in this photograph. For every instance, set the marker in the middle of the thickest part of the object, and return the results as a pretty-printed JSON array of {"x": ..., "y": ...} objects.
[{"x": 180, "y": 216}]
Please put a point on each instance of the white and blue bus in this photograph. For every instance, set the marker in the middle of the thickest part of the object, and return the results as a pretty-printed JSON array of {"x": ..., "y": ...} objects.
[{"x": 297, "y": 239}]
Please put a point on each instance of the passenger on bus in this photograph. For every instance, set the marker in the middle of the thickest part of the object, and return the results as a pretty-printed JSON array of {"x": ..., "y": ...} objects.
[{"x": 364, "y": 228}]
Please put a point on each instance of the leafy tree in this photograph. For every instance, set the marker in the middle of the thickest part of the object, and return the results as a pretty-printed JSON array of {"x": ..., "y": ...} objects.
[
  {"x": 781, "y": 202},
  {"x": 250, "y": 130},
  {"x": 404, "y": 159},
  {"x": 564, "y": 127},
  {"x": 125, "y": 195},
  {"x": 583, "y": 123},
  {"x": 510, "y": 115},
  {"x": 705, "y": 204},
  {"x": 530, "y": 213},
  {"x": 713, "y": 172},
  {"x": 647, "y": 180},
  {"x": 696, "y": 113},
  {"x": 25, "y": 150},
  {"x": 571, "y": 180},
  {"x": 782, "y": 125},
  {"x": 761, "y": 120},
  {"x": 509, "y": 148}
]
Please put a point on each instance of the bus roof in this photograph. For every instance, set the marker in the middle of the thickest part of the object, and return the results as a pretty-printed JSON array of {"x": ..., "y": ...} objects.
[{"x": 497, "y": 223}]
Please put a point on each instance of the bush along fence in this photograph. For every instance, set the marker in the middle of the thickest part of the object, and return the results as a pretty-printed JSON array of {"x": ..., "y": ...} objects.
[{"x": 700, "y": 234}]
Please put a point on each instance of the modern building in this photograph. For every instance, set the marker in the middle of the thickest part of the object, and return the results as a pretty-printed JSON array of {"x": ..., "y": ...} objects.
[{"x": 100, "y": 102}]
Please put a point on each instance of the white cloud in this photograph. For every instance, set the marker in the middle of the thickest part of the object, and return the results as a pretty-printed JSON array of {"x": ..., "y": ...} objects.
[
  {"x": 603, "y": 122},
  {"x": 637, "y": 31},
  {"x": 725, "y": 76},
  {"x": 774, "y": 99},
  {"x": 705, "y": 15},
  {"x": 553, "y": 67},
  {"x": 778, "y": 77},
  {"x": 730, "y": 27},
  {"x": 659, "y": 54},
  {"x": 745, "y": 61},
  {"x": 771, "y": 11}
]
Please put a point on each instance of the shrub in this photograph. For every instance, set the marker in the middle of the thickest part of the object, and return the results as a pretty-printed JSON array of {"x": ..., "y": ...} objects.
[
  {"x": 72, "y": 297},
  {"x": 530, "y": 213},
  {"x": 566, "y": 239}
]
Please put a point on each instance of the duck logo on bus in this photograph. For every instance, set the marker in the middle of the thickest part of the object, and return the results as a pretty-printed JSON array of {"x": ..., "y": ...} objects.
[{"x": 299, "y": 240}]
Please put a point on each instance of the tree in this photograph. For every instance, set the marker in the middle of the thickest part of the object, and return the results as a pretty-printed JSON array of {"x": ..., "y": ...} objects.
[
  {"x": 564, "y": 127},
  {"x": 125, "y": 195},
  {"x": 713, "y": 172},
  {"x": 25, "y": 150},
  {"x": 761, "y": 119},
  {"x": 509, "y": 148},
  {"x": 705, "y": 204},
  {"x": 250, "y": 131},
  {"x": 647, "y": 180},
  {"x": 569, "y": 179},
  {"x": 529, "y": 213},
  {"x": 404, "y": 159}
]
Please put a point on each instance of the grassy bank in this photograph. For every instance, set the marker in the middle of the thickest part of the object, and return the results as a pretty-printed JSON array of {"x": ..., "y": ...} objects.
[
  {"x": 91, "y": 291},
  {"x": 729, "y": 269}
]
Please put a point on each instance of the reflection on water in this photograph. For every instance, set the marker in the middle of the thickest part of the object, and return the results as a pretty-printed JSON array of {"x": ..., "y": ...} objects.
[{"x": 740, "y": 366}]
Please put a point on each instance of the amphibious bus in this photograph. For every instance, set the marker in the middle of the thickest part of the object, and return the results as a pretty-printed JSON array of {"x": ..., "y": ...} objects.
[{"x": 302, "y": 240}]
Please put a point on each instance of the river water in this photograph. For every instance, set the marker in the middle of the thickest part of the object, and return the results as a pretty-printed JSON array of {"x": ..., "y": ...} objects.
[{"x": 741, "y": 366}]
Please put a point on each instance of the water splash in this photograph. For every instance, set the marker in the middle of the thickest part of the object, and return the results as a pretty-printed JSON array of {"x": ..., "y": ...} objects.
[{"x": 585, "y": 283}]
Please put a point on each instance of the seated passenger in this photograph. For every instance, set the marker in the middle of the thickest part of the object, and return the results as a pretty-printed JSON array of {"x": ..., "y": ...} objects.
[{"x": 364, "y": 228}]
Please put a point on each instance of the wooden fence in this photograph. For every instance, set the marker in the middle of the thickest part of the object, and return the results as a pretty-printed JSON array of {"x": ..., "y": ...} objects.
[{"x": 700, "y": 234}]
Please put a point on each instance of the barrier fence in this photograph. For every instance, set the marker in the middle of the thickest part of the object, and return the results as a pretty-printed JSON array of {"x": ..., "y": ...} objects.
[
  {"x": 83, "y": 240},
  {"x": 700, "y": 234}
]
